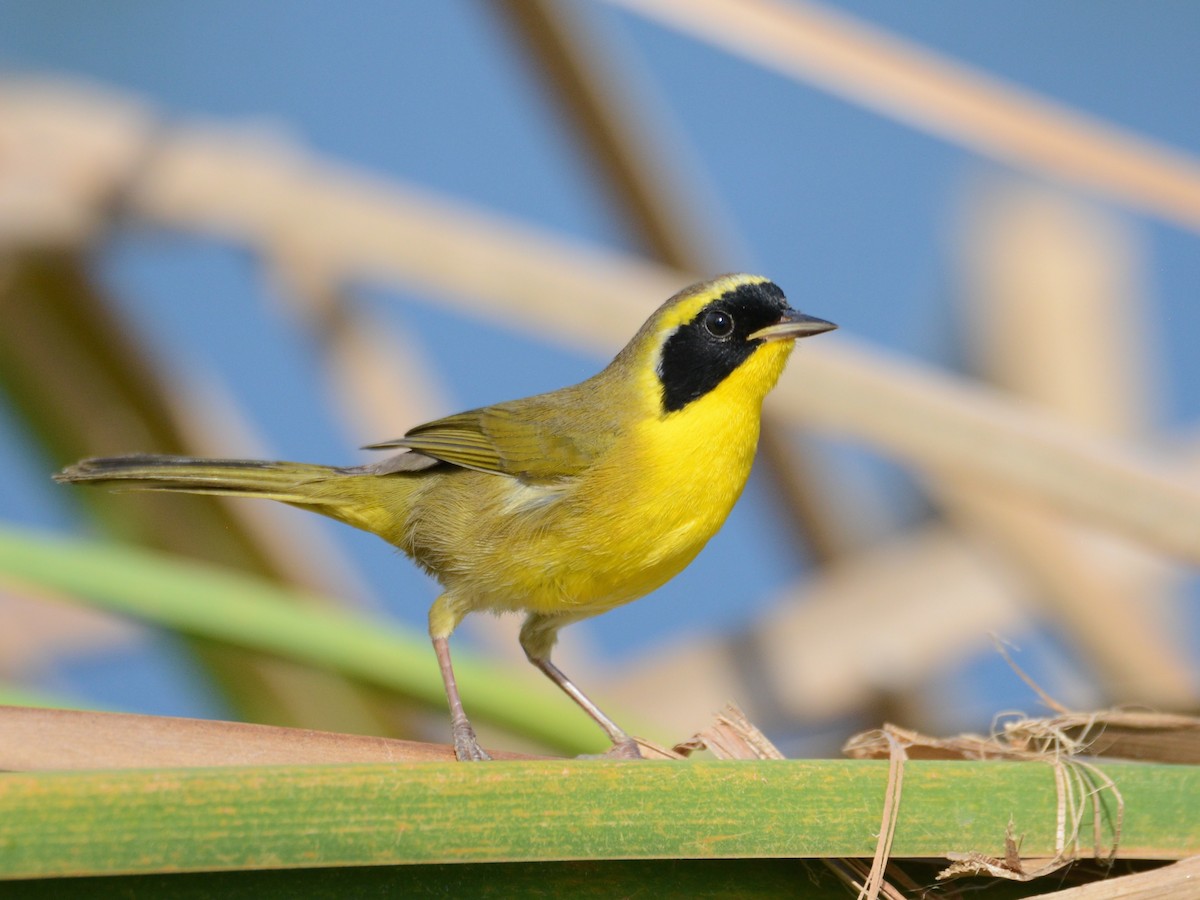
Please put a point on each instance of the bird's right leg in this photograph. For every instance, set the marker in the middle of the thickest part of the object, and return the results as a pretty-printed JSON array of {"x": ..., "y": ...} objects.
[
  {"x": 537, "y": 638},
  {"x": 443, "y": 618}
]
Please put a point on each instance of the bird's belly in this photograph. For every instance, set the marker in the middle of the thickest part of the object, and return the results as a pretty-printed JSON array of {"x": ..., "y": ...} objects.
[{"x": 600, "y": 554}]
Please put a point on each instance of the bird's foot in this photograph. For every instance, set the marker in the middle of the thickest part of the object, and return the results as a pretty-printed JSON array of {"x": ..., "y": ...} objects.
[
  {"x": 624, "y": 749},
  {"x": 466, "y": 745}
]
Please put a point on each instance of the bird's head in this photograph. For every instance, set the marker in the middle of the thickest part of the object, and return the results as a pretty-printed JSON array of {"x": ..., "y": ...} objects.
[{"x": 734, "y": 332}]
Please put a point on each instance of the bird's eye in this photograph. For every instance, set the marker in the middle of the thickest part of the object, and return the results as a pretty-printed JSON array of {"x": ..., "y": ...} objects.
[{"x": 718, "y": 323}]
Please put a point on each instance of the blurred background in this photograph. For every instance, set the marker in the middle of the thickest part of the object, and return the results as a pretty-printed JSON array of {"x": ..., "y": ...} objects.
[{"x": 286, "y": 230}]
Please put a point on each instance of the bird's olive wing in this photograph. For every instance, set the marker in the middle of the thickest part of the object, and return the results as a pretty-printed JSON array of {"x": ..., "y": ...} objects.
[{"x": 518, "y": 439}]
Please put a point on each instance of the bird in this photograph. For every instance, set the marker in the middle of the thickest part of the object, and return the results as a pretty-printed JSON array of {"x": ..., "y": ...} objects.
[{"x": 561, "y": 505}]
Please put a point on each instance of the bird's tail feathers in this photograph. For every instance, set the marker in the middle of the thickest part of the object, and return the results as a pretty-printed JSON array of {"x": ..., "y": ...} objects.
[{"x": 287, "y": 482}]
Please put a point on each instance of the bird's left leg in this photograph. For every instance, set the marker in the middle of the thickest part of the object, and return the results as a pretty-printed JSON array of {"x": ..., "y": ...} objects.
[
  {"x": 538, "y": 634},
  {"x": 443, "y": 617}
]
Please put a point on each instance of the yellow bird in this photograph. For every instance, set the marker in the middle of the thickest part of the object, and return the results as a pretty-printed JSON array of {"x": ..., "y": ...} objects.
[{"x": 562, "y": 505}]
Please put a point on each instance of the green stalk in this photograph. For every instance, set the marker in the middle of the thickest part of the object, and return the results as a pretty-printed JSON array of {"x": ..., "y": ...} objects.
[{"x": 178, "y": 820}]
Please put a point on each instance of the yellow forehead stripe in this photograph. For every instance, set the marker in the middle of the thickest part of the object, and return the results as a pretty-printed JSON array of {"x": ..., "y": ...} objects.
[{"x": 687, "y": 308}]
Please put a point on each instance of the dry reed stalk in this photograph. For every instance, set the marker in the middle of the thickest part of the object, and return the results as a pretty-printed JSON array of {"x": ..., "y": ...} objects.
[
  {"x": 1054, "y": 315},
  {"x": 902, "y": 80},
  {"x": 1174, "y": 882},
  {"x": 34, "y": 740}
]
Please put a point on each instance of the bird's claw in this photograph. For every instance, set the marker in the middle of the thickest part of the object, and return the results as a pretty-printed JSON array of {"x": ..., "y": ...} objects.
[
  {"x": 625, "y": 749},
  {"x": 466, "y": 746}
]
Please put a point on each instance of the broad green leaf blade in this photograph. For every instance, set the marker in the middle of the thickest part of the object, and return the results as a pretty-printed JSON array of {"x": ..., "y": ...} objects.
[
  {"x": 202, "y": 600},
  {"x": 173, "y": 820}
]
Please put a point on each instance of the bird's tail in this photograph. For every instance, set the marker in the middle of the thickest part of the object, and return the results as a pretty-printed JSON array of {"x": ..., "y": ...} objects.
[{"x": 298, "y": 483}]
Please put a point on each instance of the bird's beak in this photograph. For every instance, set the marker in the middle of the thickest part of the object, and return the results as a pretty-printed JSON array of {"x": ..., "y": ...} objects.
[{"x": 793, "y": 325}]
